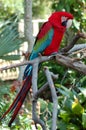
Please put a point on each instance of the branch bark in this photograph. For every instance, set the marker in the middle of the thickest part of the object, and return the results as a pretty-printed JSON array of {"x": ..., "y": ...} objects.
[
  {"x": 71, "y": 63},
  {"x": 54, "y": 97},
  {"x": 28, "y": 27},
  {"x": 34, "y": 90},
  {"x": 73, "y": 42},
  {"x": 76, "y": 48}
]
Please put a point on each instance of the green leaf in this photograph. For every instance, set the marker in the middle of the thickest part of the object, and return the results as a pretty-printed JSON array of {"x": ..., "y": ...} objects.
[
  {"x": 65, "y": 116},
  {"x": 10, "y": 57},
  {"x": 9, "y": 40},
  {"x": 68, "y": 104},
  {"x": 66, "y": 92},
  {"x": 62, "y": 125},
  {"x": 84, "y": 120},
  {"x": 83, "y": 90},
  {"x": 72, "y": 127},
  {"x": 77, "y": 108},
  {"x": 76, "y": 24}
]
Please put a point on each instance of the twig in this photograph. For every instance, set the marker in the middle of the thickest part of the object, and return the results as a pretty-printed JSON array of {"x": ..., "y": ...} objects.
[
  {"x": 78, "y": 47},
  {"x": 73, "y": 41},
  {"x": 54, "y": 98},
  {"x": 40, "y": 91}
]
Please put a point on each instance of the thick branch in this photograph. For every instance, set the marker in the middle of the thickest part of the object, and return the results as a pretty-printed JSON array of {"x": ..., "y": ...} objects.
[{"x": 71, "y": 63}]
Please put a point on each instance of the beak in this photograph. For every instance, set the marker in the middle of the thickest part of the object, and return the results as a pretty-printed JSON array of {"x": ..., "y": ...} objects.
[
  {"x": 69, "y": 23},
  {"x": 64, "y": 21}
]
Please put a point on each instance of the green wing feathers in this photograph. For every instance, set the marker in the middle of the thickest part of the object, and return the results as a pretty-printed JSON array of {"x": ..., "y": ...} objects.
[{"x": 42, "y": 42}]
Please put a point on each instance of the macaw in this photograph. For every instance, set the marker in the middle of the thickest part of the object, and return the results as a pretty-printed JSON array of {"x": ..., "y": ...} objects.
[{"x": 47, "y": 43}]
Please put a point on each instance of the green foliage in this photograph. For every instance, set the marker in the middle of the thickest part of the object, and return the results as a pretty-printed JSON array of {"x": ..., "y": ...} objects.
[
  {"x": 76, "y": 7},
  {"x": 41, "y": 11},
  {"x": 71, "y": 110},
  {"x": 9, "y": 8},
  {"x": 9, "y": 40}
]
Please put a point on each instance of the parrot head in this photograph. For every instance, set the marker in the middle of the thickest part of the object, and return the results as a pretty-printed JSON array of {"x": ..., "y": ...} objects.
[{"x": 61, "y": 19}]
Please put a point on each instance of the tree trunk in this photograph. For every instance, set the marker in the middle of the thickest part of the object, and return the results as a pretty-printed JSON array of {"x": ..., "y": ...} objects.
[
  {"x": 28, "y": 27},
  {"x": 28, "y": 31}
]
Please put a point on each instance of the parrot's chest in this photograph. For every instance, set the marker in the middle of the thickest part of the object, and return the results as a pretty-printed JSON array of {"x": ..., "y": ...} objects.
[{"x": 55, "y": 43}]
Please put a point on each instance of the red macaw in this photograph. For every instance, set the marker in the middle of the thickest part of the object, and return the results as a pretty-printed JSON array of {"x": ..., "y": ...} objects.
[{"x": 47, "y": 42}]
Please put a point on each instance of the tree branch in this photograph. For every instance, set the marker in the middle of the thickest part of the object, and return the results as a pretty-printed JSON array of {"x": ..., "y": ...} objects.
[
  {"x": 36, "y": 96},
  {"x": 71, "y": 63},
  {"x": 63, "y": 60},
  {"x": 42, "y": 59},
  {"x": 73, "y": 41},
  {"x": 76, "y": 48},
  {"x": 54, "y": 97},
  {"x": 34, "y": 90}
]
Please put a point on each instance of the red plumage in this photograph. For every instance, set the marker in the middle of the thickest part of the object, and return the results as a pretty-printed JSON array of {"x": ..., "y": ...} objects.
[
  {"x": 44, "y": 29},
  {"x": 55, "y": 20}
]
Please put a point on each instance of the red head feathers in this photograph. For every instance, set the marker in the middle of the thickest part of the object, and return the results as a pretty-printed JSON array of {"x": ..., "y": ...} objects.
[
  {"x": 55, "y": 18},
  {"x": 56, "y": 22}
]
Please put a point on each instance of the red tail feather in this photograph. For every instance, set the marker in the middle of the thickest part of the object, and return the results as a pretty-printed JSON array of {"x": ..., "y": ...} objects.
[
  {"x": 16, "y": 105},
  {"x": 12, "y": 105},
  {"x": 20, "y": 102}
]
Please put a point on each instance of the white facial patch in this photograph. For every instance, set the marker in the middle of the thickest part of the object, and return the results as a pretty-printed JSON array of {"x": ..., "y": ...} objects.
[
  {"x": 63, "y": 18},
  {"x": 69, "y": 23}
]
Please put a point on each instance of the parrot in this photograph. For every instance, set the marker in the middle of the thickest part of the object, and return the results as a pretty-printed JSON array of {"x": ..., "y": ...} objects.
[{"x": 47, "y": 42}]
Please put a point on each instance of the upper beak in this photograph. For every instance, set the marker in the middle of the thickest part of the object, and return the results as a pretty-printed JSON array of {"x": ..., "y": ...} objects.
[{"x": 69, "y": 23}]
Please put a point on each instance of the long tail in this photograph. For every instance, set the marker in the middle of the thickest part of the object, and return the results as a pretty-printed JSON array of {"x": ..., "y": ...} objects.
[{"x": 16, "y": 105}]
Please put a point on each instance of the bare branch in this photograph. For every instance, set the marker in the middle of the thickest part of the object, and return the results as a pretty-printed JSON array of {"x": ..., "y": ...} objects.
[
  {"x": 77, "y": 47},
  {"x": 71, "y": 63},
  {"x": 40, "y": 91},
  {"x": 73, "y": 41},
  {"x": 34, "y": 90},
  {"x": 54, "y": 97},
  {"x": 37, "y": 93},
  {"x": 42, "y": 59},
  {"x": 34, "y": 77}
]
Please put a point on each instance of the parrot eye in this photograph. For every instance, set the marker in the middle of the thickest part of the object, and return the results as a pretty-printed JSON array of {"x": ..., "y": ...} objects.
[{"x": 64, "y": 21}]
